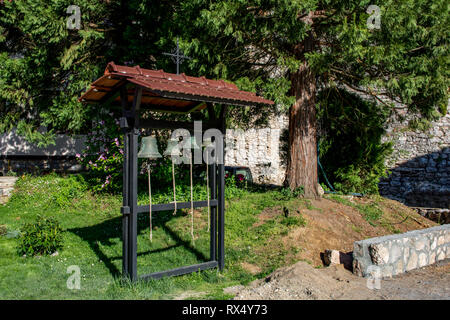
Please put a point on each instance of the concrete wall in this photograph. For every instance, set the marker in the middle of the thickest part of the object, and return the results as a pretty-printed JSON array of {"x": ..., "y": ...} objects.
[{"x": 398, "y": 253}]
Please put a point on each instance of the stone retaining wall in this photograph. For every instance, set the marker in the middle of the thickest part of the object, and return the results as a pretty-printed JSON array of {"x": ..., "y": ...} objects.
[
  {"x": 441, "y": 216},
  {"x": 398, "y": 253}
]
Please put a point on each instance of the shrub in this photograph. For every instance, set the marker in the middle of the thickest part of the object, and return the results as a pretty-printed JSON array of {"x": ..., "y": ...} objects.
[
  {"x": 41, "y": 237},
  {"x": 351, "y": 151},
  {"x": 286, "y": 194},
  {"x": 3, "y": 229},
  {"x": 103, "y": 155}
]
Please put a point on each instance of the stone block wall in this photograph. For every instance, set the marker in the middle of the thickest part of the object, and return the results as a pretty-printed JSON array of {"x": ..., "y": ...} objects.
[
  {"x": 398, "y": 253},
  {"x": 37, "y": 165},
  {"x": 419, "y": 165},
  {"x": 260, "y": 149},
  {"x": 20, "y": 156}
]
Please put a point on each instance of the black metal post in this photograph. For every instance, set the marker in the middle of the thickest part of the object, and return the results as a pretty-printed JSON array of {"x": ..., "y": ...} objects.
[
  {"x": 132, "y": 227},
  {"x": 126, "y": 183},
  {"x": 221, "y": 217},
  {"x": 133, "y": 163},
  {"x": 213, "y": 221},
  {"x": 125, "y": 216},
  {"x": 221, "y": 196}
]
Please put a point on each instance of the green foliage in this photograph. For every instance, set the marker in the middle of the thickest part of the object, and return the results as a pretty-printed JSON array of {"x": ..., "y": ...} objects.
[
  {"x": 351, "y": 151},
  {"x": 257, "y": 44},
  {"x": 371, "y": 213},
  {"x": 233, "y": 188},
  {"x": 287, "y": 194},
  {"x": 92, "y": 239},
  {"x": 104, "y": 154},
  {"x": 44, "y": 66},
  {"x": 293, "y": 221},
  {"x": 40, "y": 237},
  {"x": 443, "y": 108},
  {"x": 50, "y": 191},
  {"x": 3, "y": 229},
  {"x": 419, "y": 124}
]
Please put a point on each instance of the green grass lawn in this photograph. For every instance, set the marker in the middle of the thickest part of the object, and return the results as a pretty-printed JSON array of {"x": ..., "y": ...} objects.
[{"x": 92, "y": 240}]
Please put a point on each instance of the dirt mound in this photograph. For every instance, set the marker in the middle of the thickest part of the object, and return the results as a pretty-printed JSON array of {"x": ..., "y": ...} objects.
[
  {"x": 334, "y": 225},
  {"x": 303, "y": 282},
  {"x": 336, "y": 222}
]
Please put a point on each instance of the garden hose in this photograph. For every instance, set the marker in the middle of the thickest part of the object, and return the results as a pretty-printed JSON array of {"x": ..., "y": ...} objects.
[{"x": 326, "y": 179}]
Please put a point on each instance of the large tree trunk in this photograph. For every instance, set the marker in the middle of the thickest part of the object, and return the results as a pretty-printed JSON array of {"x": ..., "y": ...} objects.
[{"x": 302, "y": 159}]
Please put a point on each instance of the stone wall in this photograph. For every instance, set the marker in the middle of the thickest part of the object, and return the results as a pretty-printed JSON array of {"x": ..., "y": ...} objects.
[
  {"x": 420, "y": 164},
  {"x": 11, "y": 144},
  {"x": 20, "y": 156},
  {"x": 395, "y": 254},
  {"x": 259, "y": 149},
  {"x": 441, "y": 216},
  {"x": 38, "y": 165}
]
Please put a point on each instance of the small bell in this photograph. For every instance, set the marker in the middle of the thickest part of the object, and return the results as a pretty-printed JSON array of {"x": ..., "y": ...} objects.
[
  {"x": 172, "y": 148},
  {"x": 149, "y": 148},
  {"x": 194, "y": 144},
  {"x": 207, "y": 142}
]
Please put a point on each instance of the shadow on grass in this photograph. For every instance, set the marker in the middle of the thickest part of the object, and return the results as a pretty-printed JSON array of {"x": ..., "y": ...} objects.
[{"x": 104, "y": 233}]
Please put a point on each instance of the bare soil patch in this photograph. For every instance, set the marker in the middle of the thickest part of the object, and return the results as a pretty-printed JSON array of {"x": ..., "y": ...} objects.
[
  {"x": 337, "y": 224},
  {"x": 303, "y": 282},
  {"x": 334, "y": 225}
]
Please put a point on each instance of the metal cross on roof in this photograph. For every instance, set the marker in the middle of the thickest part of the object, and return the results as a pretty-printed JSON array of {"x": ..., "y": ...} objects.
[{"x": 177, "y": 56}]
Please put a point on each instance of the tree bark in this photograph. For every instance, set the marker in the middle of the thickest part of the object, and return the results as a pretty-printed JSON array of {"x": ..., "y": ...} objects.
[{"x": 302, "y": 159}]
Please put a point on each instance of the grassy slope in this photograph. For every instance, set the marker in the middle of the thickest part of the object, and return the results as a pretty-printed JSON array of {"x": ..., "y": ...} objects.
[{"x": 92, "y": 240}]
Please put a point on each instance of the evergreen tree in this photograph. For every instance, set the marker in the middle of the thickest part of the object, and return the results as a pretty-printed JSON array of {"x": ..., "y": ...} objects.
[
  {"x": 45, "y": 66},
  {"x": 284, "y": 49},
  {"x": 291, "y": 48}
]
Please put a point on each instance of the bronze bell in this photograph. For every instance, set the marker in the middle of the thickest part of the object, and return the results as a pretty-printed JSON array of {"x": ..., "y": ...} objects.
[
  {"x": 208, "y": 142},
  {"x": 149, "y": 148},
  {"x": 172, "y": 148},
  {"x": 194, "y": 144}
]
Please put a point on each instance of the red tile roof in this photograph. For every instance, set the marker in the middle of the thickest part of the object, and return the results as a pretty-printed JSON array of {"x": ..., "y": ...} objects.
[{"x": 168, "y": 89}]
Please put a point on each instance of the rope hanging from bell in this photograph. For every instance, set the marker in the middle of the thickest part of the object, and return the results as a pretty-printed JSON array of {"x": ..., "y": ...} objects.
[
  {"x": 192, "y": 200},
  {"x": 173, "y": 150},
  {"x": 150, "y": 200},
  {"x": 193, "y": 145},
  {"x": 174, "y": 189},
  {"x": 207, "y": 143},
  {"x": 149, "y": 150}
]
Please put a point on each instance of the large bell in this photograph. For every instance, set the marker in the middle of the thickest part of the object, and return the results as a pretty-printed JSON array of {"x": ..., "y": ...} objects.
[{"x": 149, "y": 148}]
